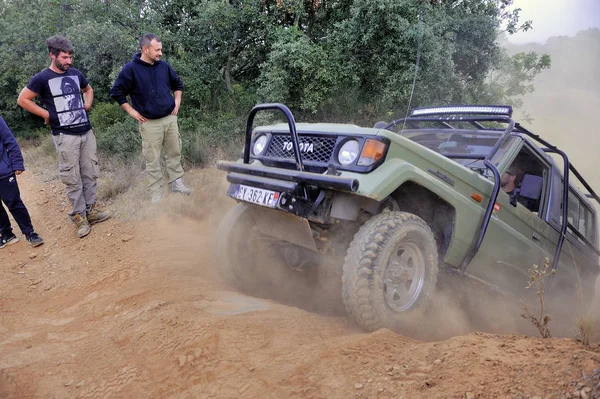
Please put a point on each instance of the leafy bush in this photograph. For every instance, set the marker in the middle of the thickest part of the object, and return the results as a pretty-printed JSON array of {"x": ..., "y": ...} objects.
[
  {"x": 200, "y": 140},
  {"x": 104, "y": 115},
  {"x": 122, "y": 139}
]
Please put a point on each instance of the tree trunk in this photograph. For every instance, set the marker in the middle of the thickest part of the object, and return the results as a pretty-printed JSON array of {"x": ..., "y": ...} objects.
[
  {"x": 213, "y": 99},
  {"x": 227, "y": 74}
]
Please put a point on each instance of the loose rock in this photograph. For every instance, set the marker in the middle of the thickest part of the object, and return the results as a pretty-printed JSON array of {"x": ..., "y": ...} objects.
[{"x": 127, "y": 237}]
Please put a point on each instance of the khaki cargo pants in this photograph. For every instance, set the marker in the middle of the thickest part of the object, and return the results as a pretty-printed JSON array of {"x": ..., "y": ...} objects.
[
  {"x": 78, "y": 168},
  {"x": 161, "y": 134}
]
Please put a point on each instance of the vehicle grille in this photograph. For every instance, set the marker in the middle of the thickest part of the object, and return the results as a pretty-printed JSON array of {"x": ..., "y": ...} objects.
[{"x": 321, "y": 147}]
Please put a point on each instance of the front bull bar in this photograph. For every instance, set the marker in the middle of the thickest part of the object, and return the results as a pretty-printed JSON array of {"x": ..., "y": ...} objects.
[
  {"x": 299, "y": 175},
  {"x": 314, "y": 179}
]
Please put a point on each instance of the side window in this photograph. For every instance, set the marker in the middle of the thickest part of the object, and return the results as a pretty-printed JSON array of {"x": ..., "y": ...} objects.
[
  {"x": 590, "y": 227},
  {"x": 526, "y": 180},
  {"x": 579, "y": 215},
  {"x": 573, "y": 210}
]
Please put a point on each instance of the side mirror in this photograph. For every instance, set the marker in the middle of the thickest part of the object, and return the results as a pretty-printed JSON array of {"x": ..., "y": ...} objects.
[{"x": 381, "y": 125}]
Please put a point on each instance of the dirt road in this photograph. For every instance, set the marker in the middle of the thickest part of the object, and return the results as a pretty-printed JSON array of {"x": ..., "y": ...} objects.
[{"x": 135, "y": 310}]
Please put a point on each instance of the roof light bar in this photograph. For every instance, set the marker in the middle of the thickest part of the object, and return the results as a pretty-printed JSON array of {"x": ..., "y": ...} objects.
[{"x": 504, "y": 110}]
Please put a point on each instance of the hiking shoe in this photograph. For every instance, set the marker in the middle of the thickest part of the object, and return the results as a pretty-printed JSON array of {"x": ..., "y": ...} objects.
[
  {"x": 96, "y": 216},
  {"x": 34, "y": 240},
  {"x": 178, "y": 187},
  {"x": 7, "y": 240},
  {"x": 83, "y": 226}
]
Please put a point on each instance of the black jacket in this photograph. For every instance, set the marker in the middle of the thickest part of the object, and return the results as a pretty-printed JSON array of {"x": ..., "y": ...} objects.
[
  {"x": 149, "y": 86},
  {"x": 11, "y": 158}
]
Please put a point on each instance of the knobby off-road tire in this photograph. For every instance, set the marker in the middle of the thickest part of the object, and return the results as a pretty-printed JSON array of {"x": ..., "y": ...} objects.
[
  {"x": 251, "y": 263},
  {"x": 237, "y": 258},
  {"x": 390, "y": 273}
]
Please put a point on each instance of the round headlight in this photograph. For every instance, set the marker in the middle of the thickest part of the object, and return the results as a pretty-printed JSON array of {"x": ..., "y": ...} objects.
[
  {"x": 259, "y": 145},
  {"x": 348, "y": 153}
]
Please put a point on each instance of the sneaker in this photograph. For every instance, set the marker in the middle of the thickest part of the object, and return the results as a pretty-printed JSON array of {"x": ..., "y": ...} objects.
[
  {"x": 178, "y": 187},
  {"x": 8, "y": 240},
  {"x": 34, "y": 240},
  {"x": 83, "y": 226},
  {"x": 96, "y": 216}
]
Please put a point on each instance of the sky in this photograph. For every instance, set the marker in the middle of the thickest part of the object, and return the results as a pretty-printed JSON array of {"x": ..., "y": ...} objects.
[{"x": 556, "y": 18}]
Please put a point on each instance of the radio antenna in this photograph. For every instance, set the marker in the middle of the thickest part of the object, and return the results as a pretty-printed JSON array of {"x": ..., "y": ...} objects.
[{"x": 419, "y": 50}]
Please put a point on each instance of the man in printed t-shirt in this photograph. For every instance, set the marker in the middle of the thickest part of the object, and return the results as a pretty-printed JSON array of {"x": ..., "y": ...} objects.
[{"x": 61, "y": 87}]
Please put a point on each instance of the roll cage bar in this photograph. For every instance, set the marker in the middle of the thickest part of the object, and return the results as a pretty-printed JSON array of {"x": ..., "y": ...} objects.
[{"x": 448, "y": 117}]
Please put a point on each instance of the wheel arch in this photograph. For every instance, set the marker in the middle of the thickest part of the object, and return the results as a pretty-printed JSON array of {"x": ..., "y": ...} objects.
[{"x": 439, "y": 214}]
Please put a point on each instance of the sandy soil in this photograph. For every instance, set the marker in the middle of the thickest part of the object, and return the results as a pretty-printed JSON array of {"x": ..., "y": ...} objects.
[{"x": 135, "y": 310}]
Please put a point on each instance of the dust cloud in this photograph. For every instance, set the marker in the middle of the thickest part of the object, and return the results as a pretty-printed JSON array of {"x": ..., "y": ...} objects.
[
  {"x": 566, "y": 99},
  {"x": 564, "y": 106}
]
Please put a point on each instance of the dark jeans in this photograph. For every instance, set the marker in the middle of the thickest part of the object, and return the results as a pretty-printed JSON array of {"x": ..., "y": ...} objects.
[{"x": 11, "y": 197}]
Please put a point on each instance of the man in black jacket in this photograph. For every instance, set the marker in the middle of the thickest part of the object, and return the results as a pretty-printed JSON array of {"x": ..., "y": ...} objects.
[{"x": 149, "y": 81}]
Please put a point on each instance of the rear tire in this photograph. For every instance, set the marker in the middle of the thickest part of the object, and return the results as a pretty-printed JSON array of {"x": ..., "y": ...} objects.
[{"x": 390, "y": 273}]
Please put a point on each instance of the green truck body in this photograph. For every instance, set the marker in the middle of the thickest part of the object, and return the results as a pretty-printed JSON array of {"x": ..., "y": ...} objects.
[{"x": 445, "y": 166}]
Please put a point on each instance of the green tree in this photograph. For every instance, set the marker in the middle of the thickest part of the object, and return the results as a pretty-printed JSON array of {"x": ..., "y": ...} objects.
[{"x": 328, "y": 60}]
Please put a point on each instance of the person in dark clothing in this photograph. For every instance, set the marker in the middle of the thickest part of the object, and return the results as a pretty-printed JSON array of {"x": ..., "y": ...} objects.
[
  {"x": 149, "y": 82},
  {"x": 11, "y": 165},
  {"x": 67, "y": 97}
]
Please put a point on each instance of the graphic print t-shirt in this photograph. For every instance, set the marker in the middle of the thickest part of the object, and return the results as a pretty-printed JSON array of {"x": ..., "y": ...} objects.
[{"x": 61, "y": 95}]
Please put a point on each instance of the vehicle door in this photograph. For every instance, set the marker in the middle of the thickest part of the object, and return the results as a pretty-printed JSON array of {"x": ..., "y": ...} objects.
[{"x": 517, "y": 237}]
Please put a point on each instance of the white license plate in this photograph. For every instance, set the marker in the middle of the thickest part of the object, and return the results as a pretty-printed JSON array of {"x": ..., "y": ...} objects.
[{"x": 257, "y": 196}]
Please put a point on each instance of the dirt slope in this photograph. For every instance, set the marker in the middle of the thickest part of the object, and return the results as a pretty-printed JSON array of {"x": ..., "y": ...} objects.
[{"x": 135, "y": 310}]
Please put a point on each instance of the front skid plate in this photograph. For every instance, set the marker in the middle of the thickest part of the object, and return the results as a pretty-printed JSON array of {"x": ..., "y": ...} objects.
[{"x": 284, "y": 226}]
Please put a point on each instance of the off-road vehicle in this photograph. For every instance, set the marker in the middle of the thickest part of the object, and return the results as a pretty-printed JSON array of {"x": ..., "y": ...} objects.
[{"x": 392, "y": 212}]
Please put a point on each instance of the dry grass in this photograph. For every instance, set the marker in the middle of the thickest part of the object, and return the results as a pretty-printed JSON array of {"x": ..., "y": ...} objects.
[
  {"x": 538, "y": 278},
  {"x": 584, "y": 329},
  {"x": 122, "y": 187},
  {"x": 40, "y": 158},
  {"x": 208, "y": 197},
  {"x": 118, "y": 176}
]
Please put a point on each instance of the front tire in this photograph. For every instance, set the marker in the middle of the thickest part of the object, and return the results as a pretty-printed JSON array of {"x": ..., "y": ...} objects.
[
  {"x": 237, "y": 256},
  {"x": 390, "y": 273},
  {"x": 252, "y": 263}
]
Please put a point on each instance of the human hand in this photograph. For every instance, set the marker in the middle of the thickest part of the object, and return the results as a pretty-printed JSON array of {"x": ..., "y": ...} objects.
[
  {"x": 46, "y": 118},
  {"x": 18, "y": 172},
  {"x": 175, "y": 110},
  {"x": 137, "y": 116}
]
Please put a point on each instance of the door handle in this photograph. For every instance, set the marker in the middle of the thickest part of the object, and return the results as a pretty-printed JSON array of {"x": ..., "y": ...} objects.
[{"x": 535, "y": 237}]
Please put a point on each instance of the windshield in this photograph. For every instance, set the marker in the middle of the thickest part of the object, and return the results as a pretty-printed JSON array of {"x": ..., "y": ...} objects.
[{"x": 460, "y": 142}]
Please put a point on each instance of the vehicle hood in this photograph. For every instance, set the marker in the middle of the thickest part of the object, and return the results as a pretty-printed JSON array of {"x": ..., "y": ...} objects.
[{"x": 334, "y": 129}]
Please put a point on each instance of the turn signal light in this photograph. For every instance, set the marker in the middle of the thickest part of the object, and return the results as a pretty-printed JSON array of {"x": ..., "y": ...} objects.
[
  {"x": 477, "y": 197},
  {"x": 372, "y": 152}
]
